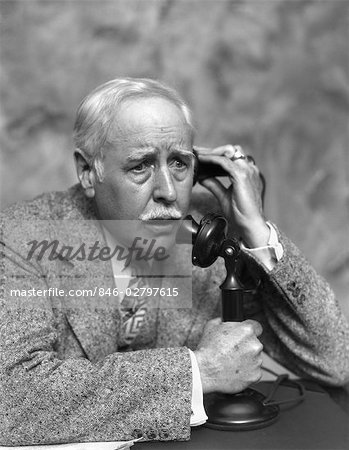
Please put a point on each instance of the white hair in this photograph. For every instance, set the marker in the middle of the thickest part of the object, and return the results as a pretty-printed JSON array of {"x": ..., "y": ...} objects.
[{"x": 96, "y": 114}]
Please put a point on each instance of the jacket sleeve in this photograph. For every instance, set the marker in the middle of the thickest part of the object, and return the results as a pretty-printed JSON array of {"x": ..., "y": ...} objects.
[
  {"x": 44, "y": 399},
  {"x": 304, "y": 328}
]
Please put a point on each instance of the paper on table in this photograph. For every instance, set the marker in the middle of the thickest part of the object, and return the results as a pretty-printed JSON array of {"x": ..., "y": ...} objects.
[{"x": 117, "y": 445}]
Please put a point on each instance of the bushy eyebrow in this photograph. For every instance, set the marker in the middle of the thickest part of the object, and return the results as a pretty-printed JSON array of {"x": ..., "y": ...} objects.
[
  {"x": 142, "y": 153},
  {"x": 146, "y": 152},
  {"x": 181, "y": 151}
]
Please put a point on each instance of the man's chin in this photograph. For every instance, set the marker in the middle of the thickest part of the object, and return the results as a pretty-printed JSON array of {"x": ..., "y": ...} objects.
[
  {"x": 148, "y": 236},
  {"x": 160, "y": 228},
  {"x": 162, "y": 232}
]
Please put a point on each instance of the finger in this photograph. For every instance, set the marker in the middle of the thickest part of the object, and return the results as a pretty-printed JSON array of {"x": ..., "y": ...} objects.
[
  {"x": 216, "y": 320},
  {"x": 230, "y": 166},
  {"x": 228, "y": 150},
  {"x": 258, "y": 347},
  {"x": 258, "y": 377},
  {"x": 217, "y": 189},
  {"x": 213, "y": 322},
  {"x": 224, "y": 150},
  {"x": 202, "y": 150},
  {"x": 257, "y": 327}
]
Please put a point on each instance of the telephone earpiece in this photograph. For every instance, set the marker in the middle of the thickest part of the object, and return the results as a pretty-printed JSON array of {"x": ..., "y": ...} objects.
[
  {"x": 204, "y": 170},
  {"x": 208, "y": 170}
]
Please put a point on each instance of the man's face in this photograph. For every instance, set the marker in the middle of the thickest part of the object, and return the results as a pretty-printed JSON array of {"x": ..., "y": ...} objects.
[{"x": 148, "y": 171}]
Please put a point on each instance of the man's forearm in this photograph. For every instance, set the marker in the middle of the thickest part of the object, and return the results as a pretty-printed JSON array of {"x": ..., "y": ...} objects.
[
  {"x": 304, "y": 328},
  {"x": 50, "y": 400}
]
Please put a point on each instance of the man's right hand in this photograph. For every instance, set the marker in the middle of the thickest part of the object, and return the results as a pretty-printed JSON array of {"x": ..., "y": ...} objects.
[{"x": 229, "y": 355}]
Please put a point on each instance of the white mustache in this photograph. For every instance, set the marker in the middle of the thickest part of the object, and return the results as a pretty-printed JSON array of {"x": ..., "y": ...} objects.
[{"x": 162, "y": 213}]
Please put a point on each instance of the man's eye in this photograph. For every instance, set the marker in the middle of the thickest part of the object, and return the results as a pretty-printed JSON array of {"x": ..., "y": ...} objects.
[
  {"x": 141, "y": 167},
  {"x": 179, "y": 164}
]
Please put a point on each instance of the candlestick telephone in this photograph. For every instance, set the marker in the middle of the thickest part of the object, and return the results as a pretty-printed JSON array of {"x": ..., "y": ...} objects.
[{"x": 249, "y": 409}]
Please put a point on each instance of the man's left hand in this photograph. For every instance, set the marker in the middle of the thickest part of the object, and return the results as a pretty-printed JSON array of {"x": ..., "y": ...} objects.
[{"x": 241, "y": 202}]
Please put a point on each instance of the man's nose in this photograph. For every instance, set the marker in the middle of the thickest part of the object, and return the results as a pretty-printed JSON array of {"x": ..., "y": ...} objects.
[{"x": 164, "y": 188}]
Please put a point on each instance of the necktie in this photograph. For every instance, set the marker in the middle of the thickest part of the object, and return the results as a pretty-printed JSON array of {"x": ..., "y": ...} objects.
[{"x": 133, "y": 309}]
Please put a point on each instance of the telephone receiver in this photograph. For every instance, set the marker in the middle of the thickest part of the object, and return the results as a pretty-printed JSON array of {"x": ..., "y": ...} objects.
[
  {"x": 248, "y": 409},
  {"x": 204, "y": 170}
]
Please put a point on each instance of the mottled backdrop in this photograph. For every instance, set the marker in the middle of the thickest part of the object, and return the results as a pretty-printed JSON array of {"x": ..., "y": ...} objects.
[{"x": 270, "y": 75}]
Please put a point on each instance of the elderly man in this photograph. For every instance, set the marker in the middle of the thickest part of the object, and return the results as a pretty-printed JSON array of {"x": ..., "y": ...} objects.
[{"x": 81, "y": 371}]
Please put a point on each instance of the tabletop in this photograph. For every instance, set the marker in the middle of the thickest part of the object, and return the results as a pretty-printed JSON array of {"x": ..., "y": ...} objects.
[{"x": 317, "y": 422}]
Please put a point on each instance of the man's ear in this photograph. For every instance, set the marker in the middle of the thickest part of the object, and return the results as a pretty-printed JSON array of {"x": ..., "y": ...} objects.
[
  {"x": 196, "y": 166},
  {"x": 86, "y": 175}
]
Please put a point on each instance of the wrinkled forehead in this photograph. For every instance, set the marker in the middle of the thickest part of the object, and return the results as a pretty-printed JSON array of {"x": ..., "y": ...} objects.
[{"x": 150, "y": 121}]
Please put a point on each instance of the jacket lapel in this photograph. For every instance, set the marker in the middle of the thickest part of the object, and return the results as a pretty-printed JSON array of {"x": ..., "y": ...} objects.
[{"x": 92, "y": 311}]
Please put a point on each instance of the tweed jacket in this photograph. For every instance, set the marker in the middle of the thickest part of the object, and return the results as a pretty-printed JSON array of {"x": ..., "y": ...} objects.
[{"x": 63, "y": 377}]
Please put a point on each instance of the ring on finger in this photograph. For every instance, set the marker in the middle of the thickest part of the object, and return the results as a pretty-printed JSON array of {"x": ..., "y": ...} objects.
[{"x": 238, "y": 153}]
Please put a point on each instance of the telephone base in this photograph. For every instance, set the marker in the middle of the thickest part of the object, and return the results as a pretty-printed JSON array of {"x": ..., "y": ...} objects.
[{"x": 239, "y": 412}]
